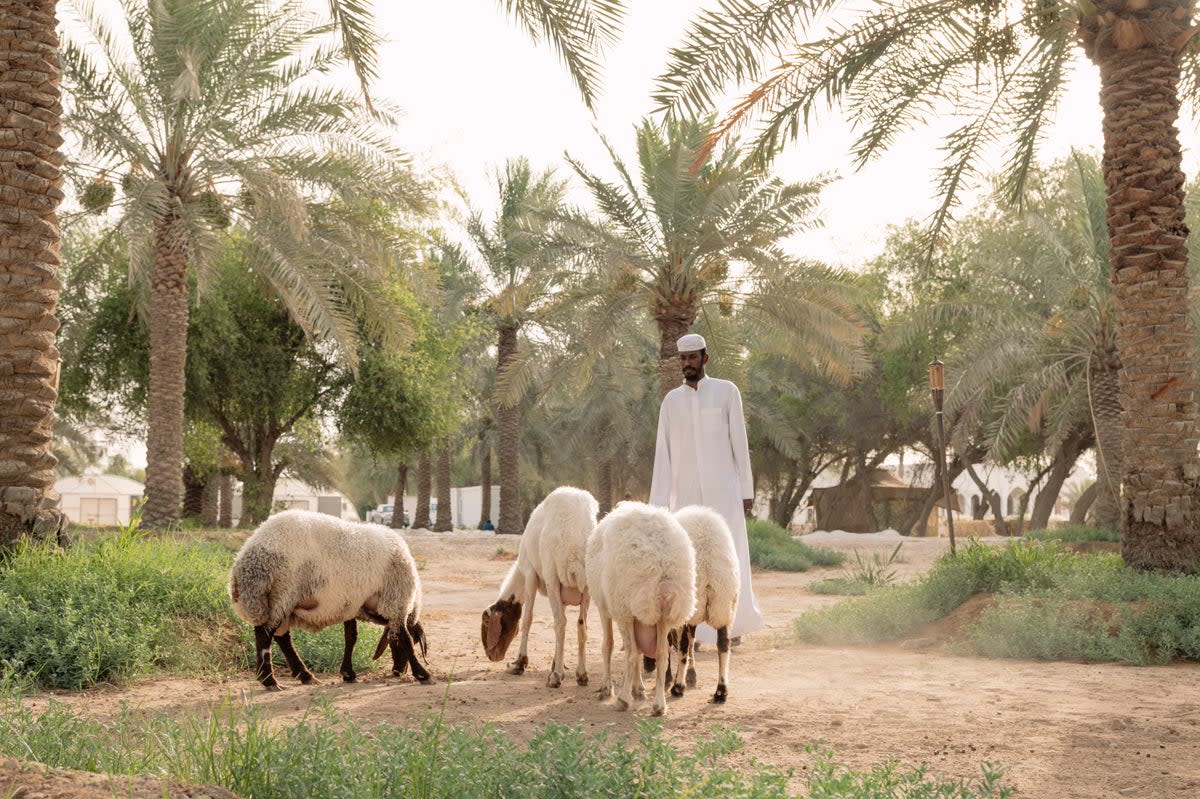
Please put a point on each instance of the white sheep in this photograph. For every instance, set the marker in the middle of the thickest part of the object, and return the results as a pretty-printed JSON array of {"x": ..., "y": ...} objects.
[
  {"x": 551, "y": 561},
  {"x": 717, "y": 584},
  {"x": 310, "y": 570},
  {"x": 641, "y": 573}
]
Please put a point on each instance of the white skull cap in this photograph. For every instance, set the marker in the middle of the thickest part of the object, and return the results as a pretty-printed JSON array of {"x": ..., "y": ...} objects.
[{"x": 691, "y": 343}]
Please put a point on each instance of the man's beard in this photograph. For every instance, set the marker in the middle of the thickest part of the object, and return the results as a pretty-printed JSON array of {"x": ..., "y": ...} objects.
[{"x": 690, "y": 373}]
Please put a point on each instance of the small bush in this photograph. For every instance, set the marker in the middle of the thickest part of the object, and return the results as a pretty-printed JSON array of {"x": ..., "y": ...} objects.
[{"x": 772, "y": 547}]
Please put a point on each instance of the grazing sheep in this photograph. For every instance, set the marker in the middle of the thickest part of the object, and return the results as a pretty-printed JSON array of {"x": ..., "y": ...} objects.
[
  {"x": 717, "y": 584},
  {"x": 550, "y": 560},
  {"x": 641, "y": 573},
  {"x": 310, "y": 570}
]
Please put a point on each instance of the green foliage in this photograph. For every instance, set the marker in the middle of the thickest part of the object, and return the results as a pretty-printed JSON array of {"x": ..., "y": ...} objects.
[
  {"x": 239, "y": 749},
  {"x": 109, "y": 610},
  {"x": 1076, "y": 533},
  {"x": 862, "y": 576},
  {"x": 1050, "y": 604},
  {"x": 772, "y": 547}
]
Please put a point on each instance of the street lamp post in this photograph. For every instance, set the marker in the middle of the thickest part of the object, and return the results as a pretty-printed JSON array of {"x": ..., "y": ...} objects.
[{"x": 937, "y": 387}]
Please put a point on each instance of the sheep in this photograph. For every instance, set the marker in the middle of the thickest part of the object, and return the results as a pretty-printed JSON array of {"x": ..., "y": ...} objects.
[
  {"x": 717, "y": 584},
  {"x": 310, "y": 570},
  {"x": 641, "y": 573},
  {"x": 550, "y": 560}
]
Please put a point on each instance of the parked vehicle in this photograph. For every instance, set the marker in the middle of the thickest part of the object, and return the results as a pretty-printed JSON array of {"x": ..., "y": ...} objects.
[{"x": 381, "y": 515}]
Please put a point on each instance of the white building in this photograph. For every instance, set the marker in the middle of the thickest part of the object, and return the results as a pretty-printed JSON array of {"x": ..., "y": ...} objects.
[
  {"x": 466, "y": 503},
  {"x": 99, "y": 499},
  {"x": 292, "y": 493}
]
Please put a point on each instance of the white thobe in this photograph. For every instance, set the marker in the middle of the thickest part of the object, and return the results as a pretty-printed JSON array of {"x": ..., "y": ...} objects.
[{"x": 702, "y": 457}]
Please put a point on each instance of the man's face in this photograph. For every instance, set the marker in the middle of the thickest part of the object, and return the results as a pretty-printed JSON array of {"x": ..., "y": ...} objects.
[{"x": 692, "y": 364}]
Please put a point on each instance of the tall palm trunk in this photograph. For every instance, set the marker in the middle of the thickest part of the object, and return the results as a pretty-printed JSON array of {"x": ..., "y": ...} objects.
[
  {"x": 673, "y": 322},
  {"x": 398, "y": 506},
  {"x": 225, "y": 501},
  {"x": 485, "y": 485},
  {"x": 424, "y": 483},
  {"x": 168, "y": 354},
  {"x": 604, "y": 484},
  {"x": 1136, "y": 52},
  {"x": 445, "y": 517},
  {"x": 508, "y": 422},
  {"x": 1061, "y": 467},
  {"x": 210, "y": 503},
  {"x": 29, "y": 257}
]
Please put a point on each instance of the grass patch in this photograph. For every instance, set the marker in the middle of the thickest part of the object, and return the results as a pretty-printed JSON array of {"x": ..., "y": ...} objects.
[
  {"x": 114, "y": 607},
  {"x": 1051, "y": 604},
  {"x": 238, "y": 749},
  {"x": 772, "y": 547},
  {"x": 862, "y": 576},
  {"x": 1076, "y": 533}
]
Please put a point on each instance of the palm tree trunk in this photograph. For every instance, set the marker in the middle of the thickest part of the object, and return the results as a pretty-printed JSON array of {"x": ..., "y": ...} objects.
[
  {"x": 508, "y": 420},
  {"x": 604, "y": 485},
  {"x": 398, "y": 505},
  {"x": 168, "y": 354},
  {"x": 1084, "y": 503},
  {"x": 445, "y": 517},
  {"x": 1064, "y": 461},
  {"x": 210, "y": 503},
  {"x": 485, "y": 485},
  {"x": 424, "y": 483},
  {"x": 193, "y": 493},
  {"x": 991, "y": 498},
  {"x": 29, "y": 257},
  {"x": 672, "y": 323},
  {"x": 1137, "y": 51}
]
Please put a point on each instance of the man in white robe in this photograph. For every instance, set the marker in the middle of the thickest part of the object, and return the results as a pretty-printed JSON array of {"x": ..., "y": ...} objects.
[{"x": 702, "y": 457}]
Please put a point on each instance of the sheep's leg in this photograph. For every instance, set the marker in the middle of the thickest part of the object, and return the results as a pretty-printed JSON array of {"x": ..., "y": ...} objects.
[
  {"x": 722, "y": 665},
  {"x": 518, "y": 665},
  {"x": 350, "y": 637},
  {"x": 559, "y": 612},
  {"x": 629, "y": 641},
  {"x": 581, "y": 675},
  {"x": 663, "y": 660},
  {"x": 691, "y": 669},
  {"x": 606, "y": 648},
  {"x": 262, "y": 659},
  {"x": 293, "y": 659},
  {"x": 685, "y": 658},
  {"x": 404, "y": 652}
]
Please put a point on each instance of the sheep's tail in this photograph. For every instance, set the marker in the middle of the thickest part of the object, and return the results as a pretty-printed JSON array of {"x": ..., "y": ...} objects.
[{"x": 675, "y": 602}]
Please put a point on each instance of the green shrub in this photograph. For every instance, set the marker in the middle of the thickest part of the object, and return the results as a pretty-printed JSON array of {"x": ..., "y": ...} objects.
[
  {"x": 1076, "y": 533},
  {"x": 238, "y": 749},
  {"x": 772, "y": 547}
]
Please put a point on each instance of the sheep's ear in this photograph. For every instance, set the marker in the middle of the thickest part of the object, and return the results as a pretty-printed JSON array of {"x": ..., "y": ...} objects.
[{"x": 494, "y": 625}]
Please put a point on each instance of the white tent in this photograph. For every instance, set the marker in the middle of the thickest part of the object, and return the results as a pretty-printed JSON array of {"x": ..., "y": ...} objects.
[{"x": 99, "y": 499}]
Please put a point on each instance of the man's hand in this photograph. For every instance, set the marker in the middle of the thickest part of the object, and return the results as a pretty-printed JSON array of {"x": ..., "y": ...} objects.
[{"x": 747, "y": 505}]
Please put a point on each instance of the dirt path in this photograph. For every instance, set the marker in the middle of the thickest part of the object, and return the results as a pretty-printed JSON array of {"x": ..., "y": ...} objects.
[{"x": 1061, "y": 730}]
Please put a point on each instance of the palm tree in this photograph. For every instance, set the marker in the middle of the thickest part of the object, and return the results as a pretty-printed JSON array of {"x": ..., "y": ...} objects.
[
  {"x": 218, "y": 113},
  {"x": 902, "y": 61},
  {"x": 516, "y": 249},
  {"x": 1043, "y": 354},
  {"x": 701, "y": 231}
]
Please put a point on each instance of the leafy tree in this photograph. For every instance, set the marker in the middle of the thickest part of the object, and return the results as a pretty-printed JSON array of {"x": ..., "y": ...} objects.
[{"x": 1003, "y": 67}]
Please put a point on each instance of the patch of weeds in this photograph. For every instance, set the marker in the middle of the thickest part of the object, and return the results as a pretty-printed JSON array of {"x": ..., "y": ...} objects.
[
  {"x": 1076, "y": 533},
  {"x": 772, "y": 547},
  {"x": 239, "y": 749},
  {"x": 862, "y": 576}
]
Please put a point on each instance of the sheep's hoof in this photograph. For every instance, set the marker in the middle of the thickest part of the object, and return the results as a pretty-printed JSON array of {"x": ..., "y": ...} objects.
[
  {"x": 272, "y": 686},
  {"x": 676, "y": 690},
  {"x": 622, "y": 704},
  {"x": 308, "y": 679},
  {"x": 349, "y": 676},
  {"x": 719, "y": 696},
  {"x": 658, "y": 710},
  {"x": 518, "y": 665},
  {"x": 554, "y": 680},
  {"x": 581, "y": 679},
  {"x": 605, "y": 692}
]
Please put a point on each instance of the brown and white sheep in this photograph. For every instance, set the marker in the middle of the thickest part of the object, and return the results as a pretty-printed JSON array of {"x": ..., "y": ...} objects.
[
  {"x": 550, "y": 561},
  {"x": 311, "y": 570}
]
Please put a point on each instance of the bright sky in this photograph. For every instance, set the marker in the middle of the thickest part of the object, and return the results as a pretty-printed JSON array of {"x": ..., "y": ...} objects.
[{"x": 476, "y": 91}]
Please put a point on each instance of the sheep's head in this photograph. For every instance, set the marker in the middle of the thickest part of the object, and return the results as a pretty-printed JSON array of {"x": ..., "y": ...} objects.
[{"x": 501, "y": 622}]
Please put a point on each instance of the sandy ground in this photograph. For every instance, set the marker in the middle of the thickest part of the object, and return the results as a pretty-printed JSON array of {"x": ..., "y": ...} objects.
[{"x": 1060, "y": 730}]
